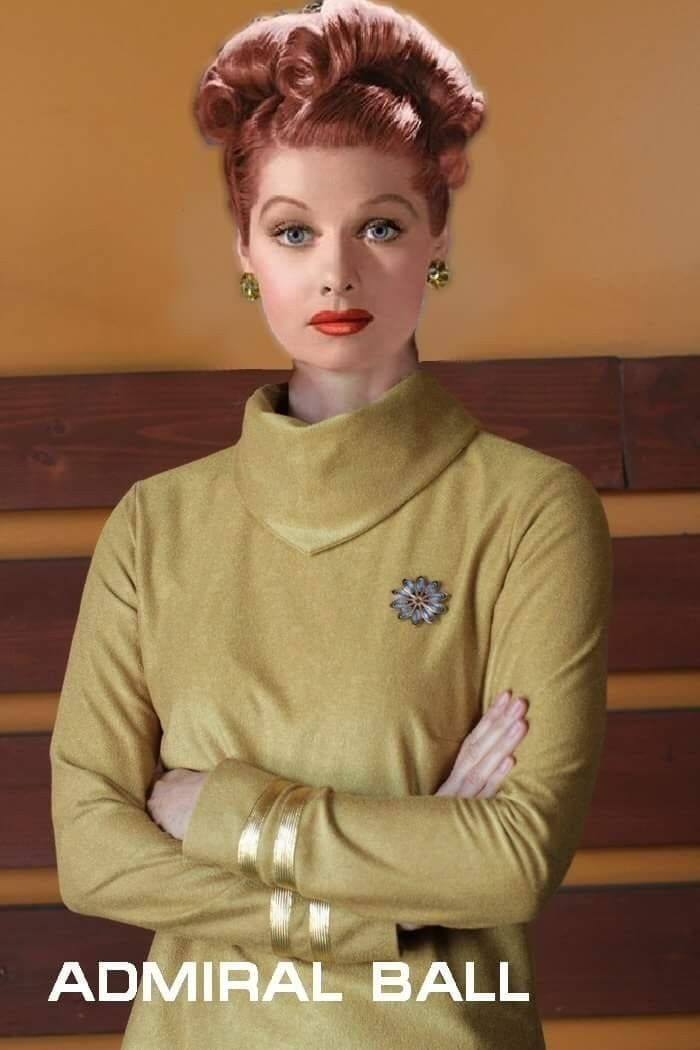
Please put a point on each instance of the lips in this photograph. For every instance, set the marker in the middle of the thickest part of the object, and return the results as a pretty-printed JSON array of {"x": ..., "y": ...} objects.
[{"x": 333, "y": 316}]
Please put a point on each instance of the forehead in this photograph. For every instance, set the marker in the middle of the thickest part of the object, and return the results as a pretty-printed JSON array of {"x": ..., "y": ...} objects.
[{"x": 343, "y": 174}]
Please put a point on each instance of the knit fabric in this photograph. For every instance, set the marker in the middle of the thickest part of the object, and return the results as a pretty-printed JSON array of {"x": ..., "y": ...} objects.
[{"x": 237, "y": 618}]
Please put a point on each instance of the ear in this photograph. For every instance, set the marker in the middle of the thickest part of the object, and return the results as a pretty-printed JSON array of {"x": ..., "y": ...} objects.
[
  {"x": 242, "y": 256},
  {"x": 442, "y": 245}
]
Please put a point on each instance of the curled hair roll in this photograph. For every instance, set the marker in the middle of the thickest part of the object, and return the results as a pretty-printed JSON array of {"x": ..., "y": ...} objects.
[{"x": 339, "y": 73}]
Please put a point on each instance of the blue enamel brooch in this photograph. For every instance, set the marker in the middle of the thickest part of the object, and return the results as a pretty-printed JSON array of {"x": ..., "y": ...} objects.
[{"x": 419, "y": 601}]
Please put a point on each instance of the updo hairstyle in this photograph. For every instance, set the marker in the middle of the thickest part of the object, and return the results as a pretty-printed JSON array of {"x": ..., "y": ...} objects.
[{"x": 339, "y": 73}]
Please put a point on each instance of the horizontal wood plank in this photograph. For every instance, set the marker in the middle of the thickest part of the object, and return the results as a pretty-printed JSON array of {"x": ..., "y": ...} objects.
[
  {"x": 624, "y": 950},
  {"x": 624, "y": 866},
  {"x": 35, "y": 712},
  {"x": 656, "y": 603},
  {"x": 35, "y": 942},
  {"x": 82, "y": 440},
  {"x": 619, "y": 950},
  {"x": 648, "y": 787},
  {"x": 38, "y": 612},
  {"x": 647, "y": 793},
  {"x": 661, "y": 411},
  {"x": 656, "y": 610}
]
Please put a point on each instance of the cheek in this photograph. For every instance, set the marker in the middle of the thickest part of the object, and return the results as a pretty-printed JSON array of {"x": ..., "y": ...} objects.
[
  {"x": 280, "y": 296},
  {"x": 405, "y": 289}
]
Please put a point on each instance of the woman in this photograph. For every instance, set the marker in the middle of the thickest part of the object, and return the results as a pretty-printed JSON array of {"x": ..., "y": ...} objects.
[{"x": 311, "y": 628}]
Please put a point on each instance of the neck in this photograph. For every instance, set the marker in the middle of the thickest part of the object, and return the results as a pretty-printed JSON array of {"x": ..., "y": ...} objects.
[{"x": 314, "y": 394}]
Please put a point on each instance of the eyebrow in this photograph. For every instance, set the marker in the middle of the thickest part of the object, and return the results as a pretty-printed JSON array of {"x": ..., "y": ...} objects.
[{"x": 373, "y": 200}]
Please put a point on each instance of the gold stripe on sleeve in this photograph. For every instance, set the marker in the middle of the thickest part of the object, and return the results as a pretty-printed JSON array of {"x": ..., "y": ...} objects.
[
  {"x": 250, "y": 836},
  {"x": 286, "y": 837},
  {"x": 281, "y": 901},
  {"x": 319, "y": 928}
]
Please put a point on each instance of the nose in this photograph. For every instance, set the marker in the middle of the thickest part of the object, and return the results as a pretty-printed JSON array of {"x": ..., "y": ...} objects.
[
  {"x": 338, "y": 271},
  {"x": 340, "y": 287}
]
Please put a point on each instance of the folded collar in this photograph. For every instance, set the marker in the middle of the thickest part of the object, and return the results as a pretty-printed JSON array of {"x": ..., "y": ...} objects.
[{"x": 316, "y": 485}]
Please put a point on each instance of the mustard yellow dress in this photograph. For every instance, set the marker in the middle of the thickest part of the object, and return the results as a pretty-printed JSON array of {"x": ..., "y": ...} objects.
[{"x": 317, "y": 616}]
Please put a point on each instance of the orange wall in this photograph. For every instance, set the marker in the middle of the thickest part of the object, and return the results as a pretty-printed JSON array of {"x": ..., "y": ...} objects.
[{"x": 576, "y": 232}]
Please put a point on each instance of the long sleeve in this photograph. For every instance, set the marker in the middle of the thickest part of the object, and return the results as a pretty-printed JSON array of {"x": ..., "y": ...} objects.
[
  {"x": 457, "y": 862},
  {"x": 113, "y": 860}
]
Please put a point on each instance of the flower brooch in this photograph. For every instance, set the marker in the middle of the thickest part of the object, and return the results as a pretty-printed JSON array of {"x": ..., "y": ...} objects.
[{"x": 419, "y": 601}]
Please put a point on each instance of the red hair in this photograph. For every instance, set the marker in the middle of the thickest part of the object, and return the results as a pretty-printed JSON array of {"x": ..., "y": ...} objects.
[{"x": 339, "y": 73}]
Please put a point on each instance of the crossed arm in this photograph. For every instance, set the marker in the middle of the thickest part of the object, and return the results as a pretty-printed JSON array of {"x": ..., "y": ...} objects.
[{"x": 339, "y": 859}]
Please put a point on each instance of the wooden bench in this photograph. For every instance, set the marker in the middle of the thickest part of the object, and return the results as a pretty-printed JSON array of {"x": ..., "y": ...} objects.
[{"x": 604, "y": 948}]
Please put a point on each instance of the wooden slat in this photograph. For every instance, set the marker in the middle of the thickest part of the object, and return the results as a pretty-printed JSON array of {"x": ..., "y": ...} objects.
[
  {"x": 653, "y": 1032},
  {"x": 656, "y": 603},
  {"x": 654, "y": 622},
  {"x": 27, "y": 840},
  {"x": 647, "y": 794},
  {"x": 34, "y": 943},
  {"x": 38, "y": 611},
  {"x": 35, "y": 712},
  {"x": 566, "y": 407},
  {"x": 648, "y": 787},
  {"x": 661, "y": 406},
  {"x": 621, "y": 950},
  {"x": 625, "y": 950},
  {"x": 81, "y": 440},
  {"x": 627, "y": 691},
  {"x": 627, "y": 866},
  {"x": 624, "y": 866},
  {"x": 78, "y": 1041}
]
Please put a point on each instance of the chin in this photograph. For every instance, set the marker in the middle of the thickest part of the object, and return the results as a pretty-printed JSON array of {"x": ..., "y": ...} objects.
[{"x": 338, "y": 354}]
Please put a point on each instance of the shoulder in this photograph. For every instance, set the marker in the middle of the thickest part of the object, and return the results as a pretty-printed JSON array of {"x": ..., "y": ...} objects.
[
  {"x": 537, "y": 489},
  {"x": 183, "y": 484},
  {"x": 517, "y": 465},
  {"x": 168, "y": 497}
]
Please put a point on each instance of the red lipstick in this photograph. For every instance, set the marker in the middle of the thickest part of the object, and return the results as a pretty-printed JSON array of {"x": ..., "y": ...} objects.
[{"x": 340, "y": 322}]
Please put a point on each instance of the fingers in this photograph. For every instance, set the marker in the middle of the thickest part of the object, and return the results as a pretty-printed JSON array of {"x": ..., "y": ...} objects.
[
  {"x": 508, "y": 730},
  {"x": 492, "y": 785},
  {"x": 479, "y": 765},
  {"x": 495, "y": 736},
  {"x": 496, "y": 717}
]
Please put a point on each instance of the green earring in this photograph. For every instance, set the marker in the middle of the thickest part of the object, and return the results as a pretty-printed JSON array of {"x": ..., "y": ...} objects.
[
  {"x": 438, "y": 274},
  {"x": 249, "y": 286}
]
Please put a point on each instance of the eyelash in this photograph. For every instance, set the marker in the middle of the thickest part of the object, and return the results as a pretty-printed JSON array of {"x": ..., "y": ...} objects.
[{"x": 283, "y": 227}]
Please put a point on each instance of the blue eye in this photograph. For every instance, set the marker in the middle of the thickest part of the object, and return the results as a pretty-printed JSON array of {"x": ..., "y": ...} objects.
[
  {"x": 278, "y": 231},
  {"x": 388, "y": 224}
]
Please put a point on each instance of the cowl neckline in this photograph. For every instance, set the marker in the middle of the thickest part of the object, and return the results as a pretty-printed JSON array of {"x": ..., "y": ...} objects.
[{"x": 316, "y": 485}]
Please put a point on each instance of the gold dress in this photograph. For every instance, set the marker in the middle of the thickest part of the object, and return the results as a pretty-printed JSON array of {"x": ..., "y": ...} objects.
[{"x": 317, "y": 616}]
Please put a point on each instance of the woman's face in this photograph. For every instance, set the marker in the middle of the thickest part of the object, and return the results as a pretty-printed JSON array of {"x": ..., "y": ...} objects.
[{"x": 334, "y": 251}]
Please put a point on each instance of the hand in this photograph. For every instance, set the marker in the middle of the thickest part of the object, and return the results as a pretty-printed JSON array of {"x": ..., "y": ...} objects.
[
  {"x": 173, "y": 798},
  {"x": 484, "y": 758},
  {"x": 485, "y": 755}
]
